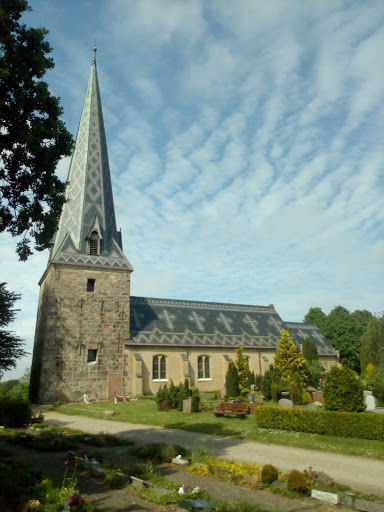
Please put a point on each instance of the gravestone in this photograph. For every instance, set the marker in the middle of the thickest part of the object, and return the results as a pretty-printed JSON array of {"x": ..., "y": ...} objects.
[
  {"x": 328, "y": 497},
  {"x": 285, "y": 402},
  {"x": 187, "y": 404},
  {"x": 222, "y": 393},
  {"x": 367, "y": 392},
  {"x": 250, "y": 397},
  {"x": 370, "y": 403},
  {"x": 317, "y": 396},
  {"x": 192, "y": 504}
]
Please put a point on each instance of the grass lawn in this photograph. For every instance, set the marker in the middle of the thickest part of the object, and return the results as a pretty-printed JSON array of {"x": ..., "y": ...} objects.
[{"x": 145, "y": 412}]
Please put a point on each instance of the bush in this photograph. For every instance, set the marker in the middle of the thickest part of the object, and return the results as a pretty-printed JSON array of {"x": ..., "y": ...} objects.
[
  {"x": 332, "y": 423},
  {"x": 232, "y": 380},
  {"x": 378, "y": 387},
  {"x": 195, "y": 406},
  {"x": 161, "y": 452},
  {"x": 275, "y": 391},
  {"x": 15, "y": 412},
  {"x": 296, "y": 481},
  {"x": 172, "y": 397},
  {"x": 115, "y": 481},
  {"x": 269, "y": 474},
  {"x": 307, "y": 398},
  {"x": 343, "y": 391}
]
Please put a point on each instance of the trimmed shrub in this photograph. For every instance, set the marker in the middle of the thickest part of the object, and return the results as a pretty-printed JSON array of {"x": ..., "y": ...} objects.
[
  {"x": 275, "y": 391},
  {"x": 195, "y": 406},
  {"x": 296, "y": 390},
  {"x": 342, "y": 390},
  {"x": 115, "y": 481},
  {"x": 296, "y": 481},
  {"x": 268, "y": 474},
  {"x": 331, "y": 423},
  {"x": 378, "y": 387},
  {"x": 307, "y": 398},
  {"x": 232, "y": 380},
  {"x": 15, "y": 412}
]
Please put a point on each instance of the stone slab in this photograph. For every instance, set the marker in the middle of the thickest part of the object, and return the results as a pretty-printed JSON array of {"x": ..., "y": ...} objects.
[
  {"x": 285, "y": 402},
  {"x": 368, "y": 506},
  {"x": 317, "y": 396},
  {"x": 191, "y": 504},
  {"x": 328, "y": 497},
  {"x": 187, "y": 405},
  {"x": 138, "y": 483},
  {"x": 180, "y": 462},
  {"x": 370, "y": 403},
  {"x": 250, "y": 479}
]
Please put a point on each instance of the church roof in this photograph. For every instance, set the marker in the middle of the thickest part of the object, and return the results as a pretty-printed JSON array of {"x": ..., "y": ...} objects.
[
  {"x": 89, "y": 205},
  {"x": 167, "y": 322}
]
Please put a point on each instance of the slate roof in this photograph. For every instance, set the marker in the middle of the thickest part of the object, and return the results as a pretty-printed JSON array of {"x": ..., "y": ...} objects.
[
  {"x": 89, "y": 193},
  {"x": 166, "y": 322}
]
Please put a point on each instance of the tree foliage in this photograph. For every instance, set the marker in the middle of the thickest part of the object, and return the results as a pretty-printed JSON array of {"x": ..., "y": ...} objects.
[
  {"x": 11, "y": 346},
  {"x": 372, "y": 344},
  {"x": 343, "y": 330},
  {"x": 343, "y": 390},
  {"x": 232, "y": 381},
  {"x": 32, "y": 136},
  {"x": 242, "y": 367},
  {"x": 309, "y": 350},
  {"x": 289, "y": 360}
]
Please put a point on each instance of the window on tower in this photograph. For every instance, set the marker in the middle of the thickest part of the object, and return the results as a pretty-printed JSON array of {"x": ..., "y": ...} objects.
[
  {"x": 94, "y": 244},
  {"x": 92, "y": 355},
  {"x": 91, "y": 285}
]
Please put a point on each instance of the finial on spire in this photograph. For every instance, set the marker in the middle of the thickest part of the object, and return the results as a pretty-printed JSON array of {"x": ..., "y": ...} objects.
[{"x": 94, "y": 55}]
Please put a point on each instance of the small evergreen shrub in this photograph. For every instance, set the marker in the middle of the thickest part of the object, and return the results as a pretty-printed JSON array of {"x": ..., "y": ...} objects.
[
  {"x": 296, "y": 390},
  {"x": 296, "y": 481},
  {"x": 232, "y": 380},
  {"x": 15, "y": 412},
  {"x": 195, "y": 406},
  {"x": 275, "y": 391},
  {"x": 307, "y": 398},
  {"x": 269, "y": 474},
  {"x": 378, "y": 387},
  {"x": 342, "y": 390}
]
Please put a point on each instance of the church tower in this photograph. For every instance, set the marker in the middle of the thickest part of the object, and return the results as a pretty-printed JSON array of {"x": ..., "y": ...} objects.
[{"x": 84, "y": 307}]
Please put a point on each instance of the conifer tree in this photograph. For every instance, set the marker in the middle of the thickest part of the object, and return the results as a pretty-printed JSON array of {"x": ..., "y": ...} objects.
[
  {"x": 232, "y": 381},
  {"x": 289, "y": 360},
  {"x": 242, "y": 367}
]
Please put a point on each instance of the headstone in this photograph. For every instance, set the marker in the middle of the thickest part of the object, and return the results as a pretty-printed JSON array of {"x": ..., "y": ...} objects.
[
  {"x": 109, "y": 413},
  {"x": 187, "y": 404},
  {"x": 180, "y": 462},
  {"x": 370, "y": 403},
  {"x": 323, "y": 479},
  {"x": 253, "y": 387},
  {"x": 310, "y": 406},
  {"x": 222, "y": 393},
  {"x": 317, "y": 396},
  {"x": 328, "y": 497},
  {"x": 285, "y": 394},
  {"x": 250, "y": 397},
  {"x": 285, "y": 402},
  {"x": 367, "y": 392},
  {"x": 191, "y": 504}
]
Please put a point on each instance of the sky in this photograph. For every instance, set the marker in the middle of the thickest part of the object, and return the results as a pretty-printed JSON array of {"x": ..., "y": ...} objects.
[{"x": 246, "y": 147}]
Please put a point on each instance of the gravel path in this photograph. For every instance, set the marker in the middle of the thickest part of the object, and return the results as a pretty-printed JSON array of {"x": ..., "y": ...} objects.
[{"x": 363, "y": 474}]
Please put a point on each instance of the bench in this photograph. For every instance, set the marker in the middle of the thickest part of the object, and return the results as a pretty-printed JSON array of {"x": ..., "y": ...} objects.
[{"x": 231, "y": 409}]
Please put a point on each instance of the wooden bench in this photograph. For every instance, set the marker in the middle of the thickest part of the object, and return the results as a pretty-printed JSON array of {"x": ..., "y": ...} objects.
[{"x": 231, "y": 409}]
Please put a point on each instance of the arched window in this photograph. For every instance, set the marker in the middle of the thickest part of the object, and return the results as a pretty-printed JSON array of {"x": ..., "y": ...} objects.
[
  {"x": 203, "y": 370},
  {"x": 159, "y": 368}
]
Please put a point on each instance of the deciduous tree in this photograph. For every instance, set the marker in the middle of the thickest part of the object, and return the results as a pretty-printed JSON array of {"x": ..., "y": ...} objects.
[{"x": 32, "y": 137}]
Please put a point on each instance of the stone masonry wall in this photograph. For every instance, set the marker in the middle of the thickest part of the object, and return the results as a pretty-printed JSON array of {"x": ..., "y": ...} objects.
[{"x": 71, "y": 321}]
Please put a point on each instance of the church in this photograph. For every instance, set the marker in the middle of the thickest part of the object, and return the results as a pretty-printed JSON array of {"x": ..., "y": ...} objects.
[{"x": 92, "y": 337}]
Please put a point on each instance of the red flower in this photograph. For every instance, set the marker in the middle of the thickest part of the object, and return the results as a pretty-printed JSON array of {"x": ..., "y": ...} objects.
[{"x": 67, "y": 462}]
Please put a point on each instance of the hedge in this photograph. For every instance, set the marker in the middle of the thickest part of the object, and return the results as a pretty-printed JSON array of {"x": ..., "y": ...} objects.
[
  {"x": 330, "y": 423},
  {"x": 15, "y": 412}
]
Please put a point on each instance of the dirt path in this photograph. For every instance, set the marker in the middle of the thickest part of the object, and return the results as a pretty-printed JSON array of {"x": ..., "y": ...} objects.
[{"x": 362, "y": 474}]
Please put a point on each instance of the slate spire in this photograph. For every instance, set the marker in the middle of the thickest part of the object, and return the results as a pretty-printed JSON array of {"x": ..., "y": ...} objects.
[{"x": 87, "y": 233}]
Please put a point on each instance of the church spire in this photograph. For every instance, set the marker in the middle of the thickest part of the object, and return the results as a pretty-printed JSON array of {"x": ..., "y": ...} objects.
[{"x": 87, "y": 231}]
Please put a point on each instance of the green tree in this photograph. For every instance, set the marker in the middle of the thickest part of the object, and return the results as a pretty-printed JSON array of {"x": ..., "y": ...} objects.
[
  {"x": 372, "y": 344},
  {"x": 343, "y": 330},
  {"x": 309, "y": 350},
  {"x": 242, "y": 366},
  {"x": 32, "y": 136},
  {"x": 343, "y": 390},
  {"x": 318, "y": 317},
  {"x": 232, "y": 381},
  {"x": 289, "y": 360},
  {"x": 11, "y": 346}
]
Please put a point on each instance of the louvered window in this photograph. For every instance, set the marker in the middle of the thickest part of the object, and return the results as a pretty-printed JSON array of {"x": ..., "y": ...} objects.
[{"x": 94, "y": 244}]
